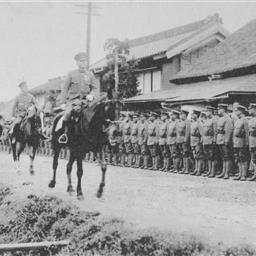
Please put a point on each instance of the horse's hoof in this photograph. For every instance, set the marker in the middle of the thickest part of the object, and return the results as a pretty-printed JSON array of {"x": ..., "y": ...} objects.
[
  {"x": 99, "y": 194},
  {"x": 31, "y": 171},
  {"x": 80, "y": 196},
  {"x": 70, "y": 189},
  {"x": 52, "y": 184}
]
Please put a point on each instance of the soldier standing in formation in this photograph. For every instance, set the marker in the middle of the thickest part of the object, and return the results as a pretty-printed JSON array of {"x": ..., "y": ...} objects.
[
  {"x": 126, "y": 130},
  {"x": 152, "y": 140},
  {"x": 142, "y": 140},
  {"x": 224, "y": 140},
  {"x": 163, "y": 125},
  {"x": 135, "y": 160},
  {"x": 196, "y": 142}
]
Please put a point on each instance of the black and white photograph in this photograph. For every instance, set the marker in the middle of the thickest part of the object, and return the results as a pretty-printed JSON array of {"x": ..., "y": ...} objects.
[{"x": 127, "y": 128}]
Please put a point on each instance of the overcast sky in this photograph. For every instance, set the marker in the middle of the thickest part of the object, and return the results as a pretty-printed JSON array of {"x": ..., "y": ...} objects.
[{"x": 38, "y": 40}]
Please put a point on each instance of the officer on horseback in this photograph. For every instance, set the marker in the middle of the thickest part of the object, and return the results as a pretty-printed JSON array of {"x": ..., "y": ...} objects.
[
  {"x": 22, "y": 103},
  {"x": 79, "y": 84}
]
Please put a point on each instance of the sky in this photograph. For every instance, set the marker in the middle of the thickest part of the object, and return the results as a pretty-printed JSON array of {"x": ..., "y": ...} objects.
[{"x": 39, "y": 39}]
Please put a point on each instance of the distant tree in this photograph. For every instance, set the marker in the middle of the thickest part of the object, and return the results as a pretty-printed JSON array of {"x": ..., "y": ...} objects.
[{"x": 120, "y": 72}]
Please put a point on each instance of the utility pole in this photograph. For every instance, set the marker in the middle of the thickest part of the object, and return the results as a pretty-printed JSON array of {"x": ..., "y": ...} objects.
[
  {"x": 88, "y": 32},
  {"x": 116, "y": 69}
]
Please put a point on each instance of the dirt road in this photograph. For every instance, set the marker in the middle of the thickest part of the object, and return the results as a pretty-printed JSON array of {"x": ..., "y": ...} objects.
[{"x": 214, "y": 210}]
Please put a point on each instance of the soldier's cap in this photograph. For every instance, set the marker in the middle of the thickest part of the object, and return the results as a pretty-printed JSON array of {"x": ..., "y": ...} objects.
[
  {"x": 252, "y": 105},
  {"x": 175, "y": 111},
  {"x": 143, "y": 114},
  {"x": 81, "y": 55},
  {"x": 129, "y": 114},
  {"x": 209, "y": 108},
  {"x": 21, "y": 83},
  {"x": 153, "y": 114},
  {"x": 223, "y": 106},
  {"x": 164, "y": 112},
  {"x": 122, "y": 114},
  {"x": 184, "y": 111},
  {"x": 203, "y": 113},
  {"x": 136, "y": 114},
  {"x": 242, "y": 108},
  {"x": 196, "y": 112}
]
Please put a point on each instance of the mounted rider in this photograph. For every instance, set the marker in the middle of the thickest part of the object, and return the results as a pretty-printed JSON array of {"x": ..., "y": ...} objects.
[
  {"x": 22, "y": 103},
  {"x": 79, "y": 85}
]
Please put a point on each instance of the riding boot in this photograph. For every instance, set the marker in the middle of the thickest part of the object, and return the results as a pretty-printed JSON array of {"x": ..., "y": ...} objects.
[
  {"x": 114, "y": 160},
  {"x": 244, "y": 166},
  {"x": 213, "y": 169},
  {"x": 145, "y": 162},
  {"x": 152, "y": 163},
  {"x": 181, "y": 165},
  {"x": 253, "y": 177},
  {"x": 228, "y": 169},
  {"x": 157, "y": 158},
  {"x": 240, "y": 170},
  {"x": 186, "y": 165},
  {"x": 200, "y": 167},
  {"x": 167, "y": 165},
  {"x": 209, "y": 169},
  {"x": 221, "y": 175},
  {"x": 196, "y": 168},
  {"x": 162, "y": 168},
  {"x": 122, "y": 160}
]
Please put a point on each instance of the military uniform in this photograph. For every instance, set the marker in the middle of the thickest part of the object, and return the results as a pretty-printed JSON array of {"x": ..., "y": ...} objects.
[
  {"x": 252, "y": 141},
  {"x": 135, "y": 160},
  {"x": 152, "y": 142},
  {"x": 121, "y": 147},
  {"x": 240, "y": 143},
  {"x": 196, "y": 143},
  {"x": 162, "y": 141},
  {"x": 172, "y": 143},
  {"x": 183, "y": 142},
  {"x": 224, "y": 141},
  {"x": 209, "y": 137},
  {"x": 126, "y": 130},
  {"x": 142, "y": 141}
]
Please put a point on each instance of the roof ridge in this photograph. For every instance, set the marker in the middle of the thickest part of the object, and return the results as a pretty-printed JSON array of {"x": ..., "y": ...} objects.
[{"x": 175, "y": 31}]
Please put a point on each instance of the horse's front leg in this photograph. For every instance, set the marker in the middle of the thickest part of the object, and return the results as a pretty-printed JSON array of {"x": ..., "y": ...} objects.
[
  {"x": 69, "y": 170},
  {"x": 79, "y": 161},
  {"x": 32, "y": 153},
  {"x": 103, "y": 164},
  {"x": 56, "y": 153},
  {"x": 19, "y": 149}
]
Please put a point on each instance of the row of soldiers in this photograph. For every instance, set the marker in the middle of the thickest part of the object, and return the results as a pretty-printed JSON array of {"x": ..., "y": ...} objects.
[{"x": 212, "y": 143}]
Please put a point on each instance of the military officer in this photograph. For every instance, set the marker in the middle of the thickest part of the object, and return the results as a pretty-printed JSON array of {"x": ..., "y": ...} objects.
[
  {"x": 171, "y": 139},
  {"x": 241, "y": 142},
  {"x": 126, "y": 130},
  {"x": 134, "y": 140},
  {"x": 162, "y": 141},
  {"x": 183, "y": 140},
  {"x": 224, "y": 139},
  {"x": 196, "y": 142},
  {"x": 209, "y": 137},
  {"x": 121, "y": 149},
  {"x": 252, "y": 139},
  {"x": 21, "y": 105},
  {"x": 142, "y": 140},
  {"x": 152, "y": 140},
  {"x": 79, "y": 84}
]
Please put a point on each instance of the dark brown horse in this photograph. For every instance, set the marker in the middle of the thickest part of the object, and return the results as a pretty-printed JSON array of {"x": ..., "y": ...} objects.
[
  {"x": 26, "y": 134},
  {"x": 88, "y": 133}
]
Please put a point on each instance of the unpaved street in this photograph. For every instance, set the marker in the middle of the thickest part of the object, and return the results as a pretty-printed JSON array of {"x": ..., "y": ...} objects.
[{"x": 212, "y": 209}]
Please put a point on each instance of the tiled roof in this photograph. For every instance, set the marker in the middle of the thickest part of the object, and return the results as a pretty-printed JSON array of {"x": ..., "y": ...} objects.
[
  {"x": 160, "y": 42},
  {"x": 200, "y": 90},
  {"x": 237, "y": 51}
]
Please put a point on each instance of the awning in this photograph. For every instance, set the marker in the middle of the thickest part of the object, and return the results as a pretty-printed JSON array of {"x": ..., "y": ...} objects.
[{"x": 201, "y": 90}]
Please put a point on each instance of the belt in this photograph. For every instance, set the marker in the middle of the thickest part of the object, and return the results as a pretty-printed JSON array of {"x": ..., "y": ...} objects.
[{"x": 221, "y": 132}]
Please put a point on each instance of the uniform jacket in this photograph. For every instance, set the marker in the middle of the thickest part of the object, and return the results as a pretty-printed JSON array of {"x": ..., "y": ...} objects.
[
  {"x": 78, "y": 85},
  {"x": 152, "y": 133},
  {"x": 142, "y": 133},
  {"x": 162, "y": 132},
  {"x": 172, "y": 132},
  {"x": 134, "y": 132},
  {"x": 241, "y": 133},
  {"x": 183, "y": 131},
  {"x": 209, "y": 129},
  {"x": 224, "y": 130},
  {"x": 252, "y": 132},
  {"x": 22, "y": 102},
  {"x": 126, "y": 131},
  {"x": 195, "y": 133}
]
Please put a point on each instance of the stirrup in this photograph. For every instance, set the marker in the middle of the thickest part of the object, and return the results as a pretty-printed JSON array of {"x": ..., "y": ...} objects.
[{"x": 63, "y": 139}]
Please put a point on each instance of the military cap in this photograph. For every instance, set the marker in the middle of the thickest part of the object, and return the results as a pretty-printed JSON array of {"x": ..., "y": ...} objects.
[
  {"x": 175, "y": 111},
  {"x": 144, "y": 114},
  {"x": 81, "y": 55},
  {"x": 153, "y": 114},
  {"x": 164, "y": 112},
  {"x": 136, "y": 114},
  {"x": 252, "y": 105},
  {"x": 196, "y": 112},
  {"x": 242, "y": 108},
  {"x": 223, "y": 106},
  {"x": 184, "y": 111},
  {"x": 209, "y": 108}
]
